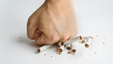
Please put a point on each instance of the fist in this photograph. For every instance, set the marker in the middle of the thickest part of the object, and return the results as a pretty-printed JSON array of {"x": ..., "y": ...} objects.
[{"x": 52, "y": 22}]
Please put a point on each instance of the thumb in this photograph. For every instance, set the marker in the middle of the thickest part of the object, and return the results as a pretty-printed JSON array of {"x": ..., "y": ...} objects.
[{"x": 40, "y": 37}]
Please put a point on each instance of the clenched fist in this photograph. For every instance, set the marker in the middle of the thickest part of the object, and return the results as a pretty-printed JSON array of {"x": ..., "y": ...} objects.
[{"x": 54, "y": 21}]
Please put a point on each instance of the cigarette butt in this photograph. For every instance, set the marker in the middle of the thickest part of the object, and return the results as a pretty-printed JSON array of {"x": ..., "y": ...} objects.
[{"x": 43, "y": 48}]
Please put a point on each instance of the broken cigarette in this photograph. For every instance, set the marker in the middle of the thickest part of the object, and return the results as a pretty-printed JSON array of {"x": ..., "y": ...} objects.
[
  {"x": 61, "y": 48},
  {"x": 88, "y": 42},
  {"x": 68, "y": 46},
  {"x": 73, "y": 47},
  {"x": 61, "y": 43},
  {"x": 43, "y": 48}
]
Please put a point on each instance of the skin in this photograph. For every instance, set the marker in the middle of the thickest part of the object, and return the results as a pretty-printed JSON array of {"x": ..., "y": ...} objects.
[{"x": 54, "y": 21}]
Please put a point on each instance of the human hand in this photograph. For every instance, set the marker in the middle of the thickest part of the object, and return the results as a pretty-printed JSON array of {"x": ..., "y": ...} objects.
[{"x": 54, "y": 21}]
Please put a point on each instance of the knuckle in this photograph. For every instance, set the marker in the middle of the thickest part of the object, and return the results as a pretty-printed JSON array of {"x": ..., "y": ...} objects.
[
  {"x": 65, "y": 37},
  {"x": 54, "y": 39},
  {"x": 30, "y": 21}
]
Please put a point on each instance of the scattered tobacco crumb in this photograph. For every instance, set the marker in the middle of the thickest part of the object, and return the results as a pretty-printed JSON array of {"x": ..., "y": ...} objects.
[
  {"x": 89, "y": 54},
  {"x": 51, "y": 56},
  {"x": 58, "y": 53},
  {"x": 95, "y": 53},
  {"x": 103, "y": 43},
  {"x": 90, "y": 37},
  {"x": 68, "y": 52},
  {"x": 96, "y": 35},
  {"x": 20, "y": 37},
  {"x": 45, "y": 54},
  {"x": 73, "y": 54}
]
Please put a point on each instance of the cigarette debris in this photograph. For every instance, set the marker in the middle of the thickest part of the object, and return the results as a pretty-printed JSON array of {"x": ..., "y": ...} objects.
[
  {"x": 95, "y": 53},
  {"x": 90, "y": 37}
]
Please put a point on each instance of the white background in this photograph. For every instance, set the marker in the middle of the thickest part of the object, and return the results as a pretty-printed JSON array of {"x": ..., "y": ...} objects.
[{"x": 94, "y": 17}]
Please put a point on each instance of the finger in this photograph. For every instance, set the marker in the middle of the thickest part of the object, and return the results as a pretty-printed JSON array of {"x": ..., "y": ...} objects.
[
  {"x": 31, "y": 29},
  {"x": 40, "y": 39}
]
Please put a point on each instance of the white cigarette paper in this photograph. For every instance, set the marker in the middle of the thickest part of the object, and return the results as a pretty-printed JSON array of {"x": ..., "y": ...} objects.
[
  {"x": 73, "y": 47},
  {"x": 88, "y": 42},
  {"x": 43, "y": 48}
]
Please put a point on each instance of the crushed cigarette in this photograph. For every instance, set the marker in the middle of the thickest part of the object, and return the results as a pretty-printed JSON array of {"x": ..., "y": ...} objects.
[
  {"x": 51, "y": 56},
  {"x": 43, "y": 48},
  {"x": 86, "y": 45},
  {"x": 69, "y": 44},
  {"x": 83, "y": 41}
]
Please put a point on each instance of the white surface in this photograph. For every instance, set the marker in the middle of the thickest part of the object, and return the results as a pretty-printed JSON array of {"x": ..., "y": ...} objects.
[{"x": 94, "y": 17}]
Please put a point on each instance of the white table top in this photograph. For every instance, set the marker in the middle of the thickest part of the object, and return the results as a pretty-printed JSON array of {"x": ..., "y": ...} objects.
[{"x": 94, "y": 17}]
